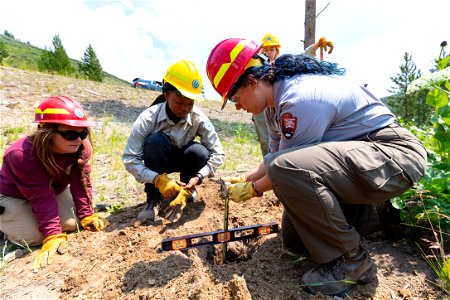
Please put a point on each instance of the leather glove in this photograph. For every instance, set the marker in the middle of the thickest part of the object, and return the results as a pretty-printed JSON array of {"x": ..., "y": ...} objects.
[
  {"x": 50, "y": 245},
  {"x": 166, "y": 186},
  {"x": 175, "y": 209},
  {"x": 234, "y": 179},
  {"x": 324, "y": 43},
  {"x": 241, "y": 191},
  {"x": 94, "y": 223}
]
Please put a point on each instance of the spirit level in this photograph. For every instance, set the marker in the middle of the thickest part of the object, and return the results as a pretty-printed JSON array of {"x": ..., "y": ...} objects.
[{"x": 219, "y": 236}]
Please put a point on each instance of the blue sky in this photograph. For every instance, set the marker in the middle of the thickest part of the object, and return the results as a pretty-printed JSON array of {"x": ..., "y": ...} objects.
[{"x": 143, "y": 38}]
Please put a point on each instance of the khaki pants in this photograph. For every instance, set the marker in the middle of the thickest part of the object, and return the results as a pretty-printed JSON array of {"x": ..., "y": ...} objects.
[
  {"x": 313, "y": 180},
  {"x": 19, "y": 224}
]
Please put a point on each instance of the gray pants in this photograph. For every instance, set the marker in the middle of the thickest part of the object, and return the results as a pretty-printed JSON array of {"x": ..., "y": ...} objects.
[{"x": 313, "y": 180}]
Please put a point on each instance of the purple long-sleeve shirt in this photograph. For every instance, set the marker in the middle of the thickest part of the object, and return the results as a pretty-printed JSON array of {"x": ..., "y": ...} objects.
[{"x": 23, "y": 176}]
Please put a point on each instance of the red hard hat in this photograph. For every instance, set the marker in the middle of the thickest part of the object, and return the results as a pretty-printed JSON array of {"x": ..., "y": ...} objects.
[
  {"x": 61, "y": 110},
  {"x": 227, "y": 61}
]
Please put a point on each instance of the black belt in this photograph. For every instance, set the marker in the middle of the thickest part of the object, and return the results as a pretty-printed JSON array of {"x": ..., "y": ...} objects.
[{"x": 392, "y": 125}]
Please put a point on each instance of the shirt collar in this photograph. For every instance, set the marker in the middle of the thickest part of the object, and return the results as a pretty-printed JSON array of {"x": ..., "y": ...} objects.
[{"x": 162, "y": 116}]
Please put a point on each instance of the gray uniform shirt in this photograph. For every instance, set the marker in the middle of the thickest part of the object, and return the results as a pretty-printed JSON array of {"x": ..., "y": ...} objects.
[
  {"x": 315, "y": 108},
  {"x": 155, "y": 119}
]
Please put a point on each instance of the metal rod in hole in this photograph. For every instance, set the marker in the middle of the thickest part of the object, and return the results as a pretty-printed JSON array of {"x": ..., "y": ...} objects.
[{"x": 225, "y": 228}]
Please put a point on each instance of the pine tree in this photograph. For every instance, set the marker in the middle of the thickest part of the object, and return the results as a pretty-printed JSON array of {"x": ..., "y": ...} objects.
[
  {"x": 91, "y": 66},
  {"x": 411, "y": 107},
  {"x": 57, "y": 60}
]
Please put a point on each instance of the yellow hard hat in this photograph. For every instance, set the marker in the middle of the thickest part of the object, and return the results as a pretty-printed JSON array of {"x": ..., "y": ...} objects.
[
  {"x": 270, "y": 40},
  {"x": 185, "y": 76}
]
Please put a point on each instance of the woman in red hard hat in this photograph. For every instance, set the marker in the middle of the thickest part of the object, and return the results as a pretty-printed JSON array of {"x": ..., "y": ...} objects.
[
  {"x": 335, "y": 144},
  {"x": 45, "y": 187}
]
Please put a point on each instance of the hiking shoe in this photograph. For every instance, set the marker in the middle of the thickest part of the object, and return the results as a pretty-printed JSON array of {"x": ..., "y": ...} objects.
[
  {"x": 152, "y": 209},
  {"x": 338, "y": 276}
]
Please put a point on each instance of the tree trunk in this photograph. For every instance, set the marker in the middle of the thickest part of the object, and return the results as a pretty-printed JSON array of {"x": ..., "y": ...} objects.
[{"x": 310, "y": 23}]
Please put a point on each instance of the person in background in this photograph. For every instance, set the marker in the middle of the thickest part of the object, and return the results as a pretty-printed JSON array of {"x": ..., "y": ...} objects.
[
  {"x": 338, "y": 144},
  {"x": 45, "y": 186},
  {"x": 162, "y": 142},
  {"x": 271, "y": 48}
]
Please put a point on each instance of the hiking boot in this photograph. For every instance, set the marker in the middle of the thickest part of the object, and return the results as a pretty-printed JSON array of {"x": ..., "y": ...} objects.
[
  {"x": 152, "y": 208},
  {"x": 338, "y": 276}
]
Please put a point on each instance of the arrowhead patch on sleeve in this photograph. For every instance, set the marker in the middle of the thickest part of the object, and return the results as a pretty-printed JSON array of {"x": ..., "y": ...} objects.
[{"x": 288, "y": 125}]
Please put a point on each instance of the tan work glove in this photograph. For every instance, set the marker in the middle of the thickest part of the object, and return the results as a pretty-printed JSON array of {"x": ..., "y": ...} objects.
[
  {"x": 94, "y": 223},
  {"x": 166, "y": 186},
  {"x": 50, "y": 245},
  {"x": 234, "y": 179},
  {"x": 241, "y": 191},
  {"x": 175, "y": 209}
]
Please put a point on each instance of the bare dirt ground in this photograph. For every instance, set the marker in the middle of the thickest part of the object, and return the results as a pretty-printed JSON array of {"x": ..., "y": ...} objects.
[{"x": 126, "y": 261}]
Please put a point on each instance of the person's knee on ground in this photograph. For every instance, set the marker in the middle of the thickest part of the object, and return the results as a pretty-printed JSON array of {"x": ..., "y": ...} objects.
[
  {"x": 18, "y": 223},
  {"x": 67, "y": 212}
]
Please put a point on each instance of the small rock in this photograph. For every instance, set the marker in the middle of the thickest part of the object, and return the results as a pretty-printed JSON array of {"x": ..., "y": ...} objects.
[
  {"x": 238, "y": 288},
  {"x": 13, "y": 255}
]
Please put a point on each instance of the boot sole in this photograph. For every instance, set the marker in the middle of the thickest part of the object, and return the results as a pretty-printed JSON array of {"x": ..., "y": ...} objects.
[{"x": 367, "y": 277}]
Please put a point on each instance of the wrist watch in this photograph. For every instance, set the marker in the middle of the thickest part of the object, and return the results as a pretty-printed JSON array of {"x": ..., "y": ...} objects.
[{"x": 258, "y": 194}]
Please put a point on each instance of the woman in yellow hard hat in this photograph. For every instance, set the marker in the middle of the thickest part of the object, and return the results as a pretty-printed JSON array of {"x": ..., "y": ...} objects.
[
  {"x": 270, "y": 47},
  {"x": 162, "y": 142}
]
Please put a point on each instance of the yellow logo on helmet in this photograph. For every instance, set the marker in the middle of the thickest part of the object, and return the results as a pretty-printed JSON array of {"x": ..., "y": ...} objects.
[
  {"x": 52, "y": 111},
  {"x": 233, "y": 54}
]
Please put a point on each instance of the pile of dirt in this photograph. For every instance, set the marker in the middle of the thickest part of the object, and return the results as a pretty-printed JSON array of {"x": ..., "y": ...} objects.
[{"x": 126, "y": 262}]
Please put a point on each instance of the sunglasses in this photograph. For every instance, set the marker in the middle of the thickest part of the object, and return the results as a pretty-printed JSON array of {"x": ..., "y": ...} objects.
[{"x": 72, "y": 135}]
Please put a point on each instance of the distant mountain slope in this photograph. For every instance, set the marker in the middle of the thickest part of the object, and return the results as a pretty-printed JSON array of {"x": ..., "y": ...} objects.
[{"x": 25, "y": 56}]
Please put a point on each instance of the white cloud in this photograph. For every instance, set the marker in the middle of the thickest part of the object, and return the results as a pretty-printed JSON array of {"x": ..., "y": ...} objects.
[{"x": 143, "y": 38}]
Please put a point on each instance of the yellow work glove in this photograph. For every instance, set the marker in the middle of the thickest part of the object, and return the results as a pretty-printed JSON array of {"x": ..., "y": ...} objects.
[
  {"x": 166, "y": 186},
  {"x": 324, "y": 43},
  {"x": 94, "y": 223},
  {"x": 50, "y": 245},
  {"x": 175, "y": 209},
  {"x": 234, "y": 179},
  {"x": 241, "y": 191}
]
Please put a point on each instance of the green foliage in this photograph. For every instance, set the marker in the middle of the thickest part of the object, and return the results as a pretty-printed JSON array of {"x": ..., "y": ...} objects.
[
  {"x": 57, "y": 60},
  {"x": 408, "y": 106},
  {"x": 91, "y": 66},
  {"x": 427, "y": 205},
  {"x": 26, "y": 57},
  {"x": 429, "y": 201},
  {"x": 9, "y": 34},
  {"x": 3, "y": 51}
]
